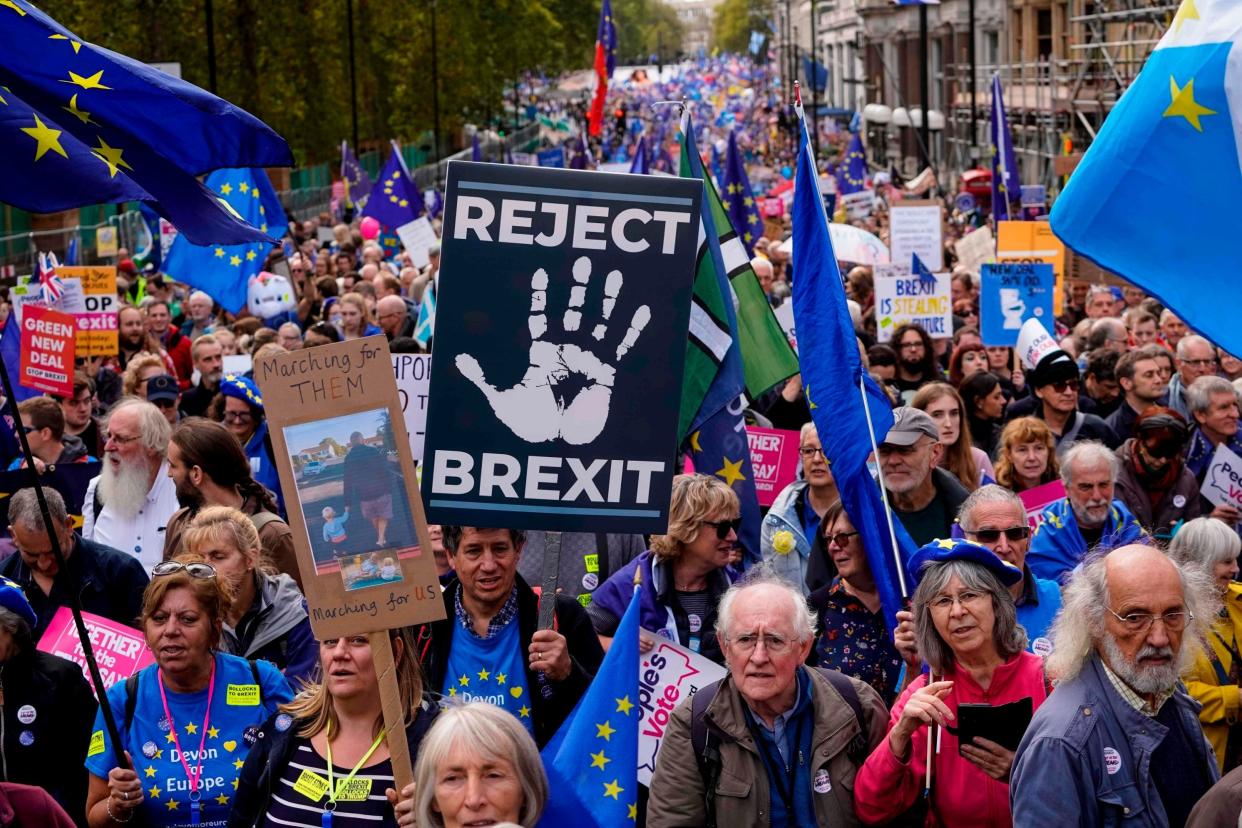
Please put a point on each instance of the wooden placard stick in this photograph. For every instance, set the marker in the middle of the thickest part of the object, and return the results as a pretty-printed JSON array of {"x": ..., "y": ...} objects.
[
  {"x": 551, "y": 579},
  {"x": 394, "y": 710}
]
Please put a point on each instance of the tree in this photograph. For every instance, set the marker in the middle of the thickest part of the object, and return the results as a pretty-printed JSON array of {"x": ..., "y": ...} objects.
[
  {"x": 645, "y": 27},
  {"x": 736, "y": 19}
]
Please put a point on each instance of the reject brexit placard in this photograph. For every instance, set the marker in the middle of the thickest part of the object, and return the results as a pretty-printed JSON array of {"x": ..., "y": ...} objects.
[
  {"x": 560, "y": 342},
  {"x": 1010, "y": 294}
]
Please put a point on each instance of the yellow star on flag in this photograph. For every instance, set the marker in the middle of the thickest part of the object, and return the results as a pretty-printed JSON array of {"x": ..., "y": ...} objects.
[
  {"x": 254, "y": 192},
  {"x": 213, "y": 732},
  {"x": 452, "y": 692},
  {"x": 154, "y": 792},
  {"x": 810, "y": 403},
  {"x": 2, "y": 100},
  {"x": 747, "y": 237},
  {"x": 624, "y": 705},
  {"x": 226, "y": 189},
  {"x": 110, "y": 156},
  {"x": 170, "y": 737},
  {"x": 159, "y": 754},
  {"x": 171, "y": 804},
  {"x": 72, "y": 109},
  {"x": 464, "y": 681},
  {"x": 748, "y": 201},
  {"x": 484, "y": 675},
  {"x": 403, "y": 203},
  {"x": 76, "y": 44},
  {"x": 599, "y": 760},
  {"x": 235, "y": 261},
  {"x": 219, "y": 252},
  {"x": 150, "y": 772},
  {"x": 393, "y": 199},
  {"x": 612, "y": 789},
  {"x": 728, "y": 205},
  {"x": 91, "y": 82},
  {"x": 694, "y": 442},
  {"x": 222, "y": 799},
  {"x": 47, "y": 138},
  {"x": 732, "y": 472},
  {"x": 244, "y": 187},
  {"x": 501, "y": 678},
  {"x": 1186, "y": 11},
  {"x": 524, "y": 712},
  {"x": 604, "y": 731},
  {"x": 237, "y": 763},
  {"x": 250, "y": 255},
  {"x": 234, "y": 784},
  {"x": 632, "y": 812},
  {"x": 11, "y": 5},
  {"x": 262, "y": 211},
  {"x": 1184, "y": 103},
  {"x": 191, "y": 728}
]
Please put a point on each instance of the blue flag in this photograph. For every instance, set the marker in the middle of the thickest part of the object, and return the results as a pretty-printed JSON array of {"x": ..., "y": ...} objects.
[
  {"x": 424, "y": 328},
  {"x": 1172, "y": 139},
  {"x": 739, "y": 199},
  {"x": 592, "y": 761},
  {"x": 357, "y": 182},
  {"x": 395, "y": 200},
  {"x": 223, "y": 271},
  {"x": 831, "y": 375},
  {"x": 718, "y": 169},
  {"x": 71, "y": 252},
  {"x": 816, "y": 73},
  {"x": 84, "y": 125},
  {"x": 1006, "y": 183},
  {"x": 921, "y": 270},
  {"x": 852, "y": 171},
  {"x": 639, "y": 164},
  {"x": 476, "y": 154},
  {"x": 434, "y": 202}
]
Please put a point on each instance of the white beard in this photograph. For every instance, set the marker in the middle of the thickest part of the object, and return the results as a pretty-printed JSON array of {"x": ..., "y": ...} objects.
[{"x": 124, "y": 489}]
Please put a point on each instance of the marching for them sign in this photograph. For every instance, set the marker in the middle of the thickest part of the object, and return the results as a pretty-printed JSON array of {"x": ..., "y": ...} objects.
[{"x": 560, "y": 343}]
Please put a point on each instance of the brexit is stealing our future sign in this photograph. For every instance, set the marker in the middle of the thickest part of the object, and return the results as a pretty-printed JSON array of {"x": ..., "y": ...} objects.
[{"x": 560, "y": 341}]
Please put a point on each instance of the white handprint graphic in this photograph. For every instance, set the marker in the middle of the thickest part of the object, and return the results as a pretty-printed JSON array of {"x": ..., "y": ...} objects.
[{"x": 532, "y": 409}]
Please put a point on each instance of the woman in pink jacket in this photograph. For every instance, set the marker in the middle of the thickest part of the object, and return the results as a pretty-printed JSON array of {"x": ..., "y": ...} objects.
[{"x": 966, "y": 629}]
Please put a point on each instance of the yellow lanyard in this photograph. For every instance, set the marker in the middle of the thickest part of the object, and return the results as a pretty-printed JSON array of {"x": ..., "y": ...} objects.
[{"x": 335, "y": 791}]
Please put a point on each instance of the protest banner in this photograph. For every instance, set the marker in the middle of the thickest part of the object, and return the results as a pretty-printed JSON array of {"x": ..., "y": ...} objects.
[
  {"x": 915, "y": 228},
  {"x": 667, "y": 676},
  {"x": 1222, "y": 484},
  {"x": 774, "y": 458},
  {"x": 859, "y": 205},
  {"x": 902, "y": 298},
  {"x": 236, "y": 364},
  {"x": 556, "y": 386},
  {"x": 97, "y": 325},
  {"x": 359, "y": 533},
  {"x": 413, "y": 375},
  {"x": 554, "y": 157},
  {"x": 1039, "y": 498},
  {"x": 120, "y": 651},
  {"x": 47, "y": 350},
  {"x": 1011, "y": 293},
  {"x": 1032, "y": 241},
  {"x": 106, "y": 244},
  {"x": 417, "y": 237},
  {"x": 785, "y": 318},
  {"x": 975, "y": 248}
]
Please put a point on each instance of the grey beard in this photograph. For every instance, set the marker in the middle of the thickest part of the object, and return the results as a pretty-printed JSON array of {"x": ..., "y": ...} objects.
[
  {"x": 124, "y": 491},
  {"x": 1146, "y": 680}
]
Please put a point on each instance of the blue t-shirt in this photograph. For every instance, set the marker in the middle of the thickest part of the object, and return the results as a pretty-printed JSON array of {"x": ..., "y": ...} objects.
[
  {"x": 236, "y": 713},
  {"x": 491, "y": 670}
]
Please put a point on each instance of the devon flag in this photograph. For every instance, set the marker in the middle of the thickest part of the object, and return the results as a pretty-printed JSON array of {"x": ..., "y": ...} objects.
[
  {"x": 1156, "y": 197},
  {"x": 223, "y": 271}
]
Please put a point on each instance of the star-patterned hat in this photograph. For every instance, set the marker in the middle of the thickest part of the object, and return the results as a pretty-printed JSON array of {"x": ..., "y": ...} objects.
[
  {"x": 243, "y": 388},
  {"x": 954, "y": 549},
  {"x": 14, "y": 600}
]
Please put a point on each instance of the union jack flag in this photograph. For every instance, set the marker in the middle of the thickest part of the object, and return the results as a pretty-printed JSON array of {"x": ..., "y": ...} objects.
[{"x": 51, "y": 288}]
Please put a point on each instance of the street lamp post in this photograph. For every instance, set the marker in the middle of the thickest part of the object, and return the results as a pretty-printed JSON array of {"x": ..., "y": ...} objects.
[
  {"x": 924, "y": 88},
  {"x": 353, "y": 78}
]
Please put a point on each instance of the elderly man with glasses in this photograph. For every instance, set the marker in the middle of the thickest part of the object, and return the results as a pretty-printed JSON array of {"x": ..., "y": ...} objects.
[
  {"x": 1119, "y": 741},
  {"x": 1196, "y": 357}
]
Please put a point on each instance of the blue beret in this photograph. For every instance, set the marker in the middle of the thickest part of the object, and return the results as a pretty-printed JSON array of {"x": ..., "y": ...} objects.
[
  {"x": 243, "y": 388},
  {"x": 955, "y": 549},
  {"x": 14, "y": 600}
]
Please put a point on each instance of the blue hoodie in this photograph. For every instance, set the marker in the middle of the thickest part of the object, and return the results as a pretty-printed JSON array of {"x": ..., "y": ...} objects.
[{"x": 1058, "y": 545}]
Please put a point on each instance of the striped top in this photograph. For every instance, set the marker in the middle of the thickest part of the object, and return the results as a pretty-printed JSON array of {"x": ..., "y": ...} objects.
[{"x": 362, "y": 804}]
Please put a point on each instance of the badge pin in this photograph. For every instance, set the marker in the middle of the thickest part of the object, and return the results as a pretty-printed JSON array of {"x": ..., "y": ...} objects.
[
  {"x": 822, "y": 783},
  {"x": 1112, "y": 760},
  {"x": 1179, "y": 501},
  {"x": 26, "y": 738},
  {"x": 163, "y": 724},
  {"x": 590, "y": 581},
  {"x": 250, "y": 735},
  {"x": 149, "y": 749},
  {"x": 283, "y": 721},
  {"x": 1041, "y": 647},
  {"x": 26, "y": 714}
]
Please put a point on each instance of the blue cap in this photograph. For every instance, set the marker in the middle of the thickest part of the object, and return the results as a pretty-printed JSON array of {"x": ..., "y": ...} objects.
[
  {"x": 243, "y": 388},
  {"x": 14, "y": 600},
  {"x": 954, "y": 549}
]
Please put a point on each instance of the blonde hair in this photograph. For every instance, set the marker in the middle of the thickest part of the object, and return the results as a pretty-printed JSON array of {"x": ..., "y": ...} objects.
[
  {"x": 491, "y": 734},
  {"x": 229, "y": 524},
  {"x": 315, "y": 705},
  {"x": 696, "y": 498},
  {"x": 957, "y": 458},
  {"x": 133, "y": 371},
  {"x": 356, "y": 299}
]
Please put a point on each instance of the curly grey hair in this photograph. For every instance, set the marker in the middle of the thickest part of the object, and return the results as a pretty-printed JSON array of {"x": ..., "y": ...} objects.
[{"x": 1007, "y": 634}]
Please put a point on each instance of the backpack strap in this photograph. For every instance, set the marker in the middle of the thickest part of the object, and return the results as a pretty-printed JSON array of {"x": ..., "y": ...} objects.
[
  {"x": 261, "y": 519},
  {"x": 254, "y": 671},
  {"x": 858, "y": 749},
  {"x": 706, "y": 750}
]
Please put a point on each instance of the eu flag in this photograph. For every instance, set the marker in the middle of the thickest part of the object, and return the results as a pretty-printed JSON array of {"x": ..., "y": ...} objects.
[
  {"x": 1155, "y": 198},
  {"x": 592, "y": 761},
  {"x": 832, "y": 377},
  {"x": 1006, "y": 183},
  {"x": 223, "y": 271},
  {"x": 95, "y": 126},
  {"x": 815, "y": 72},
  {"x": 394, "y": 201},
  {"x": 852, "y": 171},
  {"x": 639, "y": 164},
  {"x": 739, "y": 199},
  {"x": 357, "y": 182}
]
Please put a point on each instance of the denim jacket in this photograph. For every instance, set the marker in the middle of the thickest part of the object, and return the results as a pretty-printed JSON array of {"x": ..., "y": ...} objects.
[{"x": 782, "y": 517}]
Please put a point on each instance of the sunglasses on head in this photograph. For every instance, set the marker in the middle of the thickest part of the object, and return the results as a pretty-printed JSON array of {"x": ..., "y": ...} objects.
[
  {"x": 195, "y": 570},
  {"x": 723, "y": 527},
  {"x": 1013, "y": 533}
]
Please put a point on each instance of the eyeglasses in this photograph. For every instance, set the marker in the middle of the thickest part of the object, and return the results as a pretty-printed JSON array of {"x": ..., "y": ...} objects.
[
  {"x": 810, "y": 451},
  {"x": 238, "y": 416},
  {"x": 195, "y": 570},
  {"x": 28, "y": 428},
  {"x": 109, "y": 437},
  {"x": 775, "y": 644},
  {"x": 1064, "y": 385},
  {"x": 1198, "y": 363},
  {"x": 840, "y": 539},
  {"x": 945, "y": 602},
  {"x": 1140, "y": 622},
  {"x": 723, "y": 527},
  {"x": 1013, "y": 533},
  {"x": 906, "y": 345}
]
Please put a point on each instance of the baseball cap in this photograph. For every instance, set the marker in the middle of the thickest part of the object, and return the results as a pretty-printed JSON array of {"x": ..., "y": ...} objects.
[
  {"x": 909, "y": 424},
  {"x": 163, "y": 387},
  {"x": 954, "y": 549}
]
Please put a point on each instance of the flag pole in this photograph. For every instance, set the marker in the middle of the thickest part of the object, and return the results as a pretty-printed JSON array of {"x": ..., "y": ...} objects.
[{"x": 862, "y": 389}]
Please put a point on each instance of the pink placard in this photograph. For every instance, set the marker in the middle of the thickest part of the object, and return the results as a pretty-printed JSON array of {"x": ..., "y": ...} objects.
[
  {"x": 1039, "y": 498},
  {"x": 774, "y": 457},
  {"x": 120, "y": 651}
]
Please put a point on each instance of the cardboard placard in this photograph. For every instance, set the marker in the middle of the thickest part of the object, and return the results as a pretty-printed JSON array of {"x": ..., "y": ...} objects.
[
  {"x": 774, "y": 457},
  {"x": 561, "y": 326},
  {"x": 237, "y": 364},
  {"x": 105, "y": 242},
  {"x": 1039, "y": 498},
  {"x": 413, "y": 375},
  {"x": 341, "y": 448},
  {"x": 1032, "y": 241},
  {"x": 47, "y": 350},
  {"x": 859, "y": 205},
  {"x": 902, "y": 298},
  {"x": 975, "y": 248},
  {"x": 667, "y": 676},
  {"x": 1222, "y": 484},
  {"x": 785, "y": 317},
  {"x": 916, "y": 229},
  {"x": 1011, "y": 293},
  {"x": 120, "y": 651},
  {"x": 97, "y": 324},
  {"x": 417, "y": 237}
]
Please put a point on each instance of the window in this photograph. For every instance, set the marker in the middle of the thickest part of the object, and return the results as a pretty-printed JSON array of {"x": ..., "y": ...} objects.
[{"x": 1043, "y": 33}]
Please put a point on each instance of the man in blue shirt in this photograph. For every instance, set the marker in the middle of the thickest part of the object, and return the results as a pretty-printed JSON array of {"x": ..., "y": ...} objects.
[{"x": 995, "y": 518}]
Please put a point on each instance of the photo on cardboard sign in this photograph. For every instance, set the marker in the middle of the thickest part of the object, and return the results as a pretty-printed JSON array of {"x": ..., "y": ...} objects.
[{"x": 351, "y": 496}]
